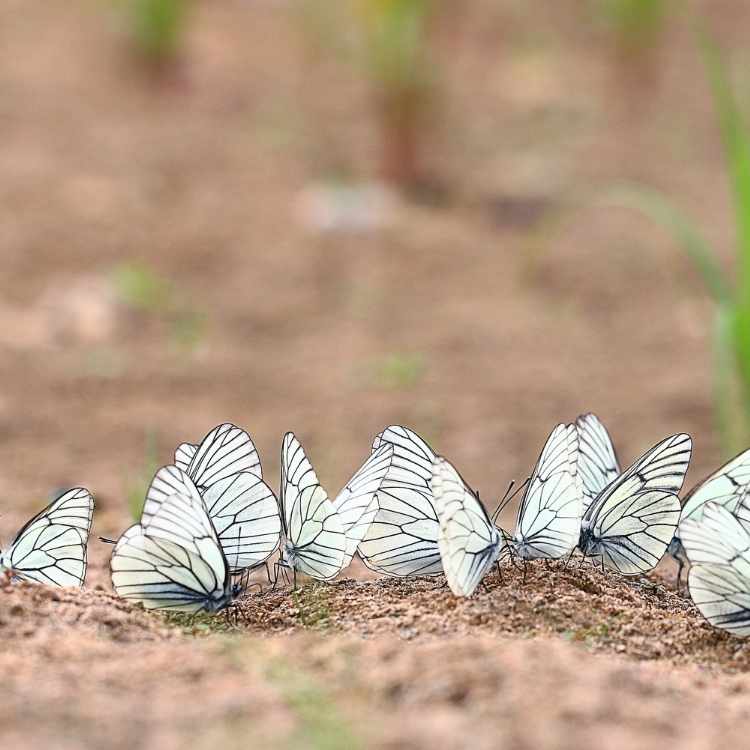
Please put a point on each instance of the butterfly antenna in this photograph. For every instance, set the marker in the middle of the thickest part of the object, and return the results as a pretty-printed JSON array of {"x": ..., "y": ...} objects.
[
  {"x": 106, "y": 540},
  {"x": 504, "y": 501},
  {"x": 510, "y": 493}
]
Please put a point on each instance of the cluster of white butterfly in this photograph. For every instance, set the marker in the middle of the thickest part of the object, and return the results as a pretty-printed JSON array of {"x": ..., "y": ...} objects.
[{"x": 210, "y": 518}]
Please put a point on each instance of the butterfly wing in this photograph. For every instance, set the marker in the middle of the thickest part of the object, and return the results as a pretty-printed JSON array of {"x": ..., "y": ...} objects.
[
  {"x": 718, "y": 537},
  {"x": 225, "y": 451},
  {"x": 184, "y": 455},
  {"x": 597, "y": 461},
  {"x": 722, "y": 596},
  {"x": 718, "y": 547},
  {"x": 726, "y": 486},
  {"x": 168, "y": 481},
  {"x": 245, "y": 514},
  {"x": 549, "y": 517},
  {"x": 357, "y": 503},
  {"x": 468, "y": 541},
  {"x": 633, "y": 535},
  {"x": 403, "y": 538},
  {"x": 315, "y": 538},
  {"x": 631, "y": 523},
  {"x": 174, "y": 561},
  {"x": 51, "y": 547}
]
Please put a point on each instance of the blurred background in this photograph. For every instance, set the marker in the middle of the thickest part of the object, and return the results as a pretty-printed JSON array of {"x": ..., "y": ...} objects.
[{"x": 477, "y": 219}]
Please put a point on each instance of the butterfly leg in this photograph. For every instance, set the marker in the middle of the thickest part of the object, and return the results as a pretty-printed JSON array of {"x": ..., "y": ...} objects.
[
  {"x": 523, "y": 579},
  {"x": 680, "y": 566},
  {"x": 276, "y": 570},
  {"x": 570, "y": 557},
  {"x": 268, "y": 571},
  {"x": 500, "y": 573},
  {"x": 228, "y": 615}
]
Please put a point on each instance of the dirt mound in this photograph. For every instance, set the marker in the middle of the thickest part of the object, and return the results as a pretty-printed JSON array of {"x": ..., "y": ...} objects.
[
  {"x": 29, "y": 612},
  {"x": 552, "y": 657},
  {"x": 642, "y": 619}
]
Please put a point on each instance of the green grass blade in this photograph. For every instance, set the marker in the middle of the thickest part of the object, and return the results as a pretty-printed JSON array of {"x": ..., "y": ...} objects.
[
  {"x": 685, "y": 233},
  {"x": 737, "y": 150},
  {"x": 725, "y": 381}
]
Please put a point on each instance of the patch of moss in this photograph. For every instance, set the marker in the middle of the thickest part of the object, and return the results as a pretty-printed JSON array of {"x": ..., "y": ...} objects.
[{"x": 312, "y": 605}]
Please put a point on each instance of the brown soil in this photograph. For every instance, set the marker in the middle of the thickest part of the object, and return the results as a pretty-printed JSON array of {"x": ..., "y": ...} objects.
[
  {"x": 554, "y": 657},
  {"x": 507, "y": 298}
]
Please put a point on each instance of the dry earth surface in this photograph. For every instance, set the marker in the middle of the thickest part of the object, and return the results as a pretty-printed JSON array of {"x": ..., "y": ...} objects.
[{"x": 514, "y": 299}]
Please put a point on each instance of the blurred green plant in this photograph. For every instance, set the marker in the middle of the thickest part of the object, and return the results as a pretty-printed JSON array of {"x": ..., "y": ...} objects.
[
  {"x": 156, "y": 27},
  {"x": 391, "y": 46},
  {"x": 141, "y": 289},
  {"x": 399, "y": 371},
  {"x": 319, "y": 723},
  {"x": 138, "y": 484},
  {"x": 312, "y": 603},
  {"x": 731, "y": 329},
  {"x": 636, "y": 23}
]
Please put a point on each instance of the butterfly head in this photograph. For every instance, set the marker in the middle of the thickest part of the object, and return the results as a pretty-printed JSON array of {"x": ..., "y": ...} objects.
[
  {"x": 5, "y": 566},
  {"x": 288, "y": 555},
  {"x": 586, "y": 541},
  {"x": 222, "y": 601}
]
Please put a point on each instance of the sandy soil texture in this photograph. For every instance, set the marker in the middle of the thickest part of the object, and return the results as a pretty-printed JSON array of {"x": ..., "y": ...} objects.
[{"x": 516, "y": 297}]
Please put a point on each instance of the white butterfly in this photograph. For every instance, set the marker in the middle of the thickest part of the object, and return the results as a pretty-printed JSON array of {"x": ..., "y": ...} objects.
[
  {"x": 224, "y": 452},
  {"x": 51, "y": 547},
  {"x": 548, "y": 523},
  {"x": 718, "y": 548},
  {"x": 631, "y": 522},
  {"x": 242, "y": 508},
  {"x": 173, "y": 559},
  {"x": 598, "y": 466},
  {"x": 728, "y": 486},
  {"x": 357, "y": 504},
  {"x": 321, "y": 536},
  {"x": 469, "y": 542},
  {"x": 403, "y": 538}
]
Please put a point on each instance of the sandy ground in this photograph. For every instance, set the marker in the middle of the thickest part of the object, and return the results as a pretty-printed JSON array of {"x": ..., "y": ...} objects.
[
  {"x": 514, "y": 299},
  {"x": 554, "y": 658}
]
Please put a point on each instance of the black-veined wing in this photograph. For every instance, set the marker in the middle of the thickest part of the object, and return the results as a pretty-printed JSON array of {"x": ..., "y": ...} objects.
[
  {"x": 468, "y": 541},
  {"x": 51, "y": 547},
  {"x": 726, "y": 486},
  {"x": 168, "y": 481},
  {"x": 402, "y": 540},
  {"x": 357, "y": 503},
  {"x": 598, "y": 466},
  {"x": 225, "y": 451},
  {"x": 315, "y": 540},
  {"x": 722, "y": 596},
  {"x": 548, "y": 524},
  {"x": 244, "y": 511},
  {"x": 717, "y": 537},
  {"x": 718, "y": 547},
  {"x": 184, "y": 454},
  {"x": 173, "y": 561},
  {"x": 631, "y": 523}
]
